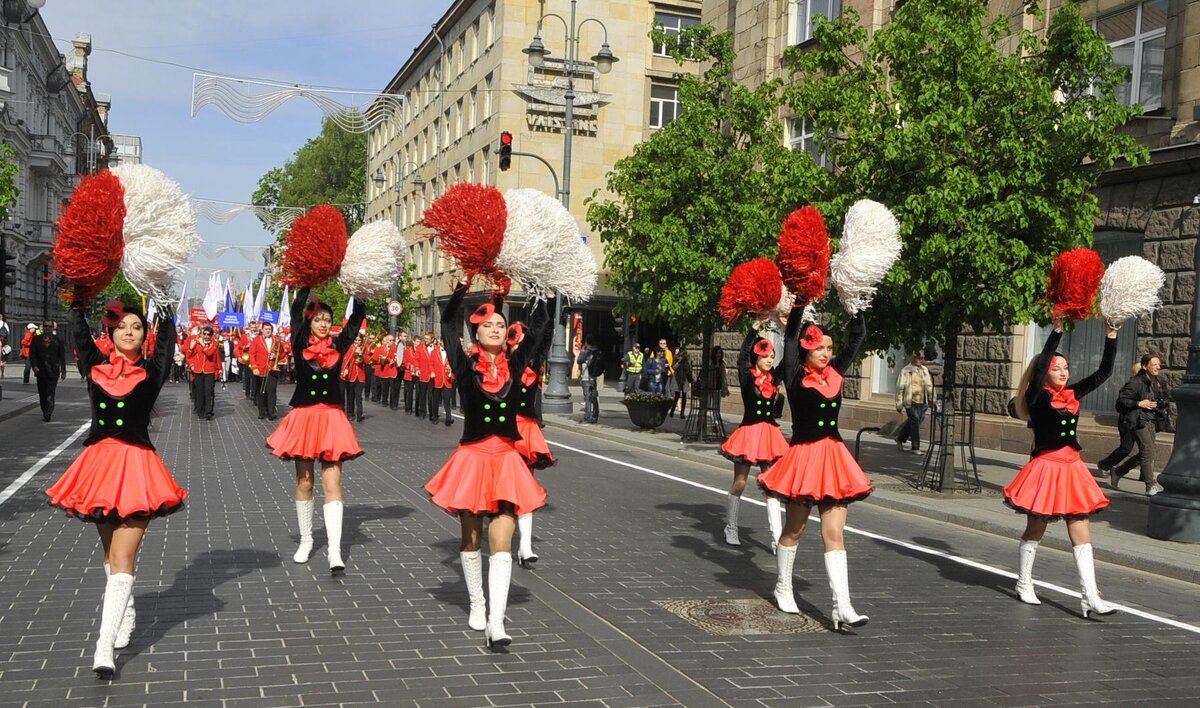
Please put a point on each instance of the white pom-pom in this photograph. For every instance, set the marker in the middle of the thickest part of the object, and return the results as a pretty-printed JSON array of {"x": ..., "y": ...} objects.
[
  {"x": 160, "y": 229},
  {"x": 1130, "y": 288},
  {"x": 575, "y": 271},
  {"x": 870, "y": 246},
  {"x": 374, "y": 257},
  {"x": 810, "y": 313},
  {"x": 542, "y": 250}
]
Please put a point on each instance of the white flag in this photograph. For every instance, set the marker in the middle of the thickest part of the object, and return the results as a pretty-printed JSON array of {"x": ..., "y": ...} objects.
[
  {"x": 261, "y": 296},
  {"x": 349, "y": 309},
  {"x": 285, "y": 309},
  {"x": 212, "y": 298},
  {"x": 182, "y": 312}
]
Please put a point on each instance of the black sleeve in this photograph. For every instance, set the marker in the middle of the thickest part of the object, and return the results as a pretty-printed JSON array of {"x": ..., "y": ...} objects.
[
  {"x": 164, "y": 351},
  {"x": 299, "y": 321},
  {"x": 1127, "y": 399},
  {"x": 854, "y": 343},
  {"x": 349, "y": 333},
  {"x": 541, "y": 333},
  {"x": 1042, "y": 368},
  {"x": 451, "y": 326},
  {"x": 744, "y": 355},
  {"x": 1101, "y": 374},
  {"x": 89, "y": 355},
  {"x": 791, "y": 346}
]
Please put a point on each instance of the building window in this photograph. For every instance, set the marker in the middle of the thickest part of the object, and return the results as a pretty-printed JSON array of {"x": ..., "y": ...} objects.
[
  {"x": 487, "y": 93},
  {"x": 664, "y": 104},
  {"x": 802, "y": 16},
  {"x": 1138, "y": 38},
  {"x": 491, "y": 25},
  {"x": 801, "y": 137},
  {"x": 672, "y": 25}
]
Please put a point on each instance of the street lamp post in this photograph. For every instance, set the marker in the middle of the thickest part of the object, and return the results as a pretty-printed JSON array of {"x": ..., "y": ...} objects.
[
  {"x": 1174, "y": 513},
  {"x": 418, "y": 183},
  {"x": 558, "y": 396}
]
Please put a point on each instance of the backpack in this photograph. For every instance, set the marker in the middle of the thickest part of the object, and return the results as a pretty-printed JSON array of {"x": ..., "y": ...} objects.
[{"x": 595, "y": 364}]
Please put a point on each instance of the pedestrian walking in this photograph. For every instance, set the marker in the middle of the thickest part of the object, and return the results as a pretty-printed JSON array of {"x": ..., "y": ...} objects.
[
  {"x": 1055, "y": 484},
  {"x": 5, "y": 343},
  {"x": 683, "y": 380},
  {"x": 1142, "y": 404},
  {"x": 317, "y": 429},
  {"x": 532, "y": 444},
  {"x": 119, "y": 482},
  {"x": 632, "y": 364},
  {"x": 668, "y": 377},
  {"x": 817, "y": 469},
  {"x": 486, "y": 476},
  {"x": 26, "y": 340},
  {"x": 757, "y": 440},
  {"x": 654, "y": 371},
  {"x": 591, "y": 376},
  {"x": 914, "y": 391},
  {"x": 48, "y": 359}
]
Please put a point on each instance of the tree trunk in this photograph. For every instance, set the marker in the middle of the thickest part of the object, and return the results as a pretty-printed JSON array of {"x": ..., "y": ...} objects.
[{"x": 945, "y": 462}]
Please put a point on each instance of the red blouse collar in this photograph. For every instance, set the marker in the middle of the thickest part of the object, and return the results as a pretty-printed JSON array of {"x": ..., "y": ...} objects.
[
  {"x": 321, "y": 351},
  {"x": 493, "y": 372},
  {"x": 118, "y": 377},
  {"x": 832, "y": 385},
  {"x": 764, "y": 381},
  {"x": 1063, "y": 398}
]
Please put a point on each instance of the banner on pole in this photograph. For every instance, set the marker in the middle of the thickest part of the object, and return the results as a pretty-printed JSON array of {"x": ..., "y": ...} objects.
[
  {"x": 270, "y": 316},
  {"x": 231, "y": 319},
  {"x": 199, "y": 316}
]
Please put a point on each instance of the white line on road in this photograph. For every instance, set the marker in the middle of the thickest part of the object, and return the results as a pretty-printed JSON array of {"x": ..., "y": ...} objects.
[
  {"x": 37, "y": 466},
  {"x": 893, "y": 541}
]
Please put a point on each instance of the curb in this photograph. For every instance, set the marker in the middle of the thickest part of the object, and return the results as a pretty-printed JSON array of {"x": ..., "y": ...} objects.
[{"x": 899, "y": 502}]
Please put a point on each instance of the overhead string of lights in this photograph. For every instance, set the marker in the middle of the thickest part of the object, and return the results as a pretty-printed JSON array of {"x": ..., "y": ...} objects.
[
  {"x": 251, "y": 100},
  {"x": 275, "y": 217}
]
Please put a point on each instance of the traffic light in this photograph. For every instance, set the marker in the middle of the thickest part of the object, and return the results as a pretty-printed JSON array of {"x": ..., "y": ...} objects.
[
  {"x": 505, "y": 150},
  {"x": 8, "y": 272}
]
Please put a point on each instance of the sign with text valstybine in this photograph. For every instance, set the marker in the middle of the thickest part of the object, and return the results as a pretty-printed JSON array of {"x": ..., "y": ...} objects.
[
  {"x": 269, "y": 316},
  {"x": 231, "y": 319}
]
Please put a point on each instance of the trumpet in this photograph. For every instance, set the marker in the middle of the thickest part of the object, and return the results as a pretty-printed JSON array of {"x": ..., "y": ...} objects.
[
  {"x": 273, "y": 361},
  {"x": 350, "y": 357}
]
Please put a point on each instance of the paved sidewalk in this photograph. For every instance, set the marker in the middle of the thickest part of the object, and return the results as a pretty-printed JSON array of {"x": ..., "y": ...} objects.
[{"x": 1119, "y": 531}]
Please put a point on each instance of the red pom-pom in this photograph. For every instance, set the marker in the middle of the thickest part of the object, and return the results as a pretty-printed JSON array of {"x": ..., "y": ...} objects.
[
  {"x": 1074, "y": 283},
  {"x": 470, "y": 220},
  {"x": 752, "y": 287},
  {"x": 90, "y": 236},
  {"x": 804, "y": 254},
  {"x": 314, "y": 248}
]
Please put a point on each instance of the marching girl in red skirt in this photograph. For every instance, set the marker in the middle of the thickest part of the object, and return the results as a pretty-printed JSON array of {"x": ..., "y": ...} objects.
[
  {"x": 487, "y": 476},
  {"x": 119, "y": 482},
  {"x": 757, "y": 440},
  {"x": 817, "y": 468},
  {"x": 532, "y": 444},
  {"x": 316, "y": 428},
  {"x": 1056, "y": 484}
]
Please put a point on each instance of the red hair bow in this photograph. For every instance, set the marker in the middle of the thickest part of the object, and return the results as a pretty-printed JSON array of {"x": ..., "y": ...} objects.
[
  {"x": 482, "y": 313},
  {"x": 516, "y": 332},
  {"x": 114, "y": 312},
  {"x": 763, "y": 347},
  {"x": 811, "y": 339}
]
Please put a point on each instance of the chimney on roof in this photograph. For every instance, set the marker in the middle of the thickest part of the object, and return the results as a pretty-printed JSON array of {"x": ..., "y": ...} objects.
[{"x": 79, "y": 67}]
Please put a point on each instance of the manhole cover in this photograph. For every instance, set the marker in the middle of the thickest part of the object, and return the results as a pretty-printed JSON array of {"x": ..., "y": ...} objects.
[{"x": 742, "y": 616}]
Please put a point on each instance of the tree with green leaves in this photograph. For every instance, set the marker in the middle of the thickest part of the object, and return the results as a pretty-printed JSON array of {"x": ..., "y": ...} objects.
[
  {"x": 331, "y": 169},
  {"x": 706, "y": 192},
  {"x": 8, "y": 181},
  {"x": 989, "y": 157}
]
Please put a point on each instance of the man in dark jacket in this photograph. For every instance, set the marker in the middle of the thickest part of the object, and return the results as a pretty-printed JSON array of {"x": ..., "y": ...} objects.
[
  {"x": 1142, "y": 404},
  {"x": 48, "y": 360}
]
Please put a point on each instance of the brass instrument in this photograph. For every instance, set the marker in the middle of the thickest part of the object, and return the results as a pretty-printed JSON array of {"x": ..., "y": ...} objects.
[
  {"x": 357, "y": 351},
  {"x": 274, "y": 360}
]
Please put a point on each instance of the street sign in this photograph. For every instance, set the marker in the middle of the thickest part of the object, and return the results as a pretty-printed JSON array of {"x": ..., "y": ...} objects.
[{"x": 395, "y": 308}]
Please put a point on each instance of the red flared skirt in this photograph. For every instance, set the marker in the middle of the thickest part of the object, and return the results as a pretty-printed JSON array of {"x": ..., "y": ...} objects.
[
  {"x": 532, "y": 444},
  {"x": 754, "y": 444},
  {"x": 1055, "y": 485},
  {"x": 317, "y": 432},
  {"x": 482, "y": 475},
  {"x": 112, "y": 481},
  {"x": 819, "y": 472}
]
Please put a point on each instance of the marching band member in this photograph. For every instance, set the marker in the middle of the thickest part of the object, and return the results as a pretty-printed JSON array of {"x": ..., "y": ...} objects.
[
  {"x": 354, "y": 376},
  {"x": 268, "y": 353}
]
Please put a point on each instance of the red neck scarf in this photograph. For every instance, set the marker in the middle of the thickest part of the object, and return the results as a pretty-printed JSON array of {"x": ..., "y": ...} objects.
[
  {"x": 321, "y": 351},
  {"x": 118, "y": 377},
  {"x": 493, "y": 372},
  {"x": 765, "y": 381},
  {"x": 833, "y": 382},
  {"x": 1063, "y": 398}
]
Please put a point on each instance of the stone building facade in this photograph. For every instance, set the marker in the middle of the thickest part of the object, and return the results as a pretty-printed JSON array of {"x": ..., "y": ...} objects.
[
  {"x": 57, "y": 129},
  {"x": 1151, "y": 210}
]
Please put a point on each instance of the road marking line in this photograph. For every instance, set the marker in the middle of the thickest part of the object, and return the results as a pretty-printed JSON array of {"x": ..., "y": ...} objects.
[
  {"x": 893, "y": 541},
  {"x": 37, "y": 466}
]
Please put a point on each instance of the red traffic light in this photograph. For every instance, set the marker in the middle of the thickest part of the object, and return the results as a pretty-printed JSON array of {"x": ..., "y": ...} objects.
[{"x": 506, "y": 138}]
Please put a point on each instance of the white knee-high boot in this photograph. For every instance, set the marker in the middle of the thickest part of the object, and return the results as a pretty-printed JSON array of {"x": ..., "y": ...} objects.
[
  {"x": 333, "y": 532},
  {"x": 116, "y": 597},
  {"x": 1091, "y": 600},
  {"x": 731, "y": 520},
  {"x": 499, "y": 577},
  {"x": 472, "y": 562},
  {"x": 304, "y": 513},
  {"x": 1025, "y": 592},
  {"x": 774, "y": 520},
  {"x": 785, "y": 559},
  {"x": 128, "y": 620},
  {"x": 525, "y": 555},
  {"x": 839, "y": 583}
]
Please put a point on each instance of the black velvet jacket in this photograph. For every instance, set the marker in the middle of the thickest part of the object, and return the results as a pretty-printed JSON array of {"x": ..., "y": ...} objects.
[
  {"x": 315, "y": 385},
  {"x": 758, "y": 409},
  {"x": 126, "y": 418},
  {"x": 1054, "y": 428},
  {"x": 486, "y": 414},
  {"x": 813, "y": 415}
]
